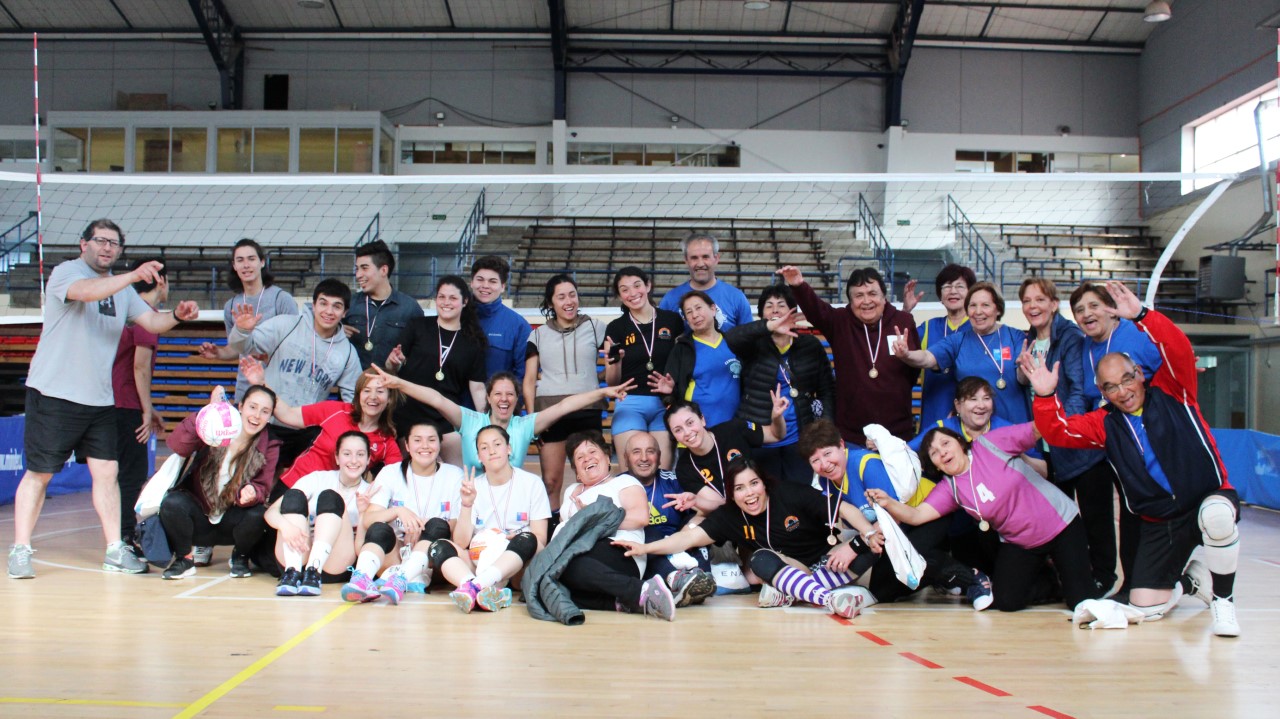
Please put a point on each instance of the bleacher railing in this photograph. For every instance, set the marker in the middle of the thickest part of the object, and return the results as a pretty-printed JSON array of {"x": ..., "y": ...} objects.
[
  {"x": 875, "y": 236},
  {"x": 1038, "y": 268},
  {"x": 471, "y": 231},
  {"x": 372, "y": 231},
  {"x": 977, "y": 253},
  {"x": 13, "y": 240}
]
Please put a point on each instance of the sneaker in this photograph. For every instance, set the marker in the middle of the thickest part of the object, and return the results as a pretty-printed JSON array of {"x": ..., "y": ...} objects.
[
  {"x": 202, "y": 556},
  {"x": 770, "y": 597},
  {"x": 288, "y": 584},
  {"x": 394, "y": 585},
  {"x": 20, "y": 562},
  {"x": 980, "y": 591},
  {"x": 1201, "y": 582},
  {"x": 945, "y": 591},
  {"x": 862, "y": 597},
  {"x": 691, "y": 586},
  {"x": 179, "y": 568},
  {"x": 120, "y": 558},
  {"x": 360, "y": 589},
  {"x": 309, "y": 584},
  {"x": 491, "y": 599},
  {"x": 844, "y": 604},
  {"x": 1224, "y": 617},
  {"x": 464, "y": 597},
  {"x": 239, "y": 566},
  {"x": 656, "y": 599}
]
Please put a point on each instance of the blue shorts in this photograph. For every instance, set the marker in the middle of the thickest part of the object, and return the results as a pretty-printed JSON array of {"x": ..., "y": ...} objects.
[{"x": 638, "y": 413}]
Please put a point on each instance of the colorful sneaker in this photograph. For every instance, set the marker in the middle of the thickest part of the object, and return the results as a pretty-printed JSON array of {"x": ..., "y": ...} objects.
[
  {"x": 691, "y": 586},
  {"x": 770, "y": 597},
  {"x": 179, "y": 568},
  {"x": 202, "y": 556},
  {"x": 20, "y": 562},
  {"x": 393, "y": 586},
  {"x": 309, "y": 585},
  {"x": 1224, "y": 617},
  {"x": 980, "y": 591},
  {"x": 239, "y": 566},
  {"x": 120, "y": 558},
  {"x": 862, "y": 597},
  {"x": 288, "y": 584},
  {"x": 1201, "y": 582},
  {"x": 464, "y": 597},
  {"x": 491, "y": 599},
  {"x": 844, "y": 604},
  {"x": 360, "y": 589},
  {"x": 656, "y": 599}
]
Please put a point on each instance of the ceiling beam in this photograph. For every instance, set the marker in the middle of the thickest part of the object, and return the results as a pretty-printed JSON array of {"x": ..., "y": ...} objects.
[
  {"x": 448, "y": 9},
  {"x": 226, "y": 45},
  {"x": 690, "y": 61},
  {"x": 16, "y": 24},
  {"x": 334, "y": 9},
  {"x": 902, "y": 40},
  {"x": 559, "y": 52},
  {"x": 121, "y": 14}
]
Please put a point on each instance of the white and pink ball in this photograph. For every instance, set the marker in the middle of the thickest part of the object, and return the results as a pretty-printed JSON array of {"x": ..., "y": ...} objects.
[{"x": 217, "y": 424}]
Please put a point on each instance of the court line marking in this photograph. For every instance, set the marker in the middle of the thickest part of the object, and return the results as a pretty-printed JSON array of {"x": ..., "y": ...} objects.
[
  {"x": 248, "y": 672},
  {"x": 55, "y": 514},
  {"x": 919, "y": 660},
  {"x": 191, "y": 592},
  {"x": 874, "y": 639},
  {"x": 298, "y": 708},
  {"x": 982, "y": 686},
  {"x": 1050, "y": 712},
  {"x": 1267, "y": 561},
  {"x": 90, "y": 702}
]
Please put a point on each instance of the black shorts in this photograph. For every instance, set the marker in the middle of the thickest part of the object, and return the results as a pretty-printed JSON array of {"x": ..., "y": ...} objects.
[
  {"x": 584, "y": 420},
  {"x": 57, "y": 427},
  {"x": 1165, "y": 547}
]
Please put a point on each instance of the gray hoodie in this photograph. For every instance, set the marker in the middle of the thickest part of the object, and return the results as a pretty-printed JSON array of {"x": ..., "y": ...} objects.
[{"x": 301, "y": 366}]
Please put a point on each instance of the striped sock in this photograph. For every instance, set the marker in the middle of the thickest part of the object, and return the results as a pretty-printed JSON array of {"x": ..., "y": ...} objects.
[
  {"x": 831, "y": 580},
  {"x": 798, "y": 584}
]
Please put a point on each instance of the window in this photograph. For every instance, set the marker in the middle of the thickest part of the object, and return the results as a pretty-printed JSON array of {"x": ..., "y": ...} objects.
[
  {"x": 654, "y": 155},
  {"x": 169, "y": 149},
  {"x": 1226, "y": 140},
  {"x": 88, "y": 149},
  {"x": 20, "y": 151},
  {"x": 1039, "y": 162},
  {"x": 422, "y": 152},
  {"x": 258, "y": 149}
]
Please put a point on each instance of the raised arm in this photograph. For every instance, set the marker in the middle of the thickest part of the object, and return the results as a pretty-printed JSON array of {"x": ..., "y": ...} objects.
[
  {"x": 99, "y": 288},
  {"x": 445, "y": 406},
  {"x": 254, "y": 374},
  {"x": 1081, "y": 431},
  {"x": 914, "y": 516},
  {"x": 777, "y": 429},
  {"x": 681, "y": 541},
  {"x": 920, "y": 359},
  {"x": 573, "y": 403}
]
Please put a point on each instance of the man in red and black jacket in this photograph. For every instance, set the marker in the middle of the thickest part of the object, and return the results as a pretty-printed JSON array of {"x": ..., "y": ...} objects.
[{"x": 1169, "y": 468}]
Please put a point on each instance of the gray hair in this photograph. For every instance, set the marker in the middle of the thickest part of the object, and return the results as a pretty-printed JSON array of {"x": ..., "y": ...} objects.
[{"x": 699, "y": 236}]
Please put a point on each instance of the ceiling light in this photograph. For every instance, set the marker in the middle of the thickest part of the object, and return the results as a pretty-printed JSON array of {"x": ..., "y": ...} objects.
[
  {"x": 311, "y": 4},
  {"x": 1157, "y": 11},
  {"x": 756, "y": 4}
]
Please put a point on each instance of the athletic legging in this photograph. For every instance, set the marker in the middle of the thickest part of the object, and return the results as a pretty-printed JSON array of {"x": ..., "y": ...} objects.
[
  {"x": 603, "y": 577},
  {"x": 185, "y": 524}
]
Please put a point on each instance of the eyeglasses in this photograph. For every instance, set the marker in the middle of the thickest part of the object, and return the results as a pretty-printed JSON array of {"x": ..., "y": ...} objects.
[
  {"x": 107, "y": 241},
  {"x": 1126, "y": 381}
]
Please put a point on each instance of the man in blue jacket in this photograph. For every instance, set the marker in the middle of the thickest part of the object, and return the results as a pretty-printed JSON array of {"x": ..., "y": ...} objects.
[{"x": 507, "y": 332}]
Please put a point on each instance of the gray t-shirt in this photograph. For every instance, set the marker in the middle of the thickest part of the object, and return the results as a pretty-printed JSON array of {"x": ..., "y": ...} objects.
[
  {"x": 567, "y": 359},
  {"x": 79, "y": 339},
  {"x": 272, "y": 302},
  {"x": 301, "y": 366}
]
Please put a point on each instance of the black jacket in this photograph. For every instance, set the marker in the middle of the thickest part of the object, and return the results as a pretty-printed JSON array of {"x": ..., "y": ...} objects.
[
  {"x": 810, "y": 374},
  {"x": 684, "y": 355}
]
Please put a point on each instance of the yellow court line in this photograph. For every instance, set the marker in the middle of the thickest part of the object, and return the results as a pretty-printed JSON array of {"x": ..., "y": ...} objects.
[{"x": 222, "y": 689}]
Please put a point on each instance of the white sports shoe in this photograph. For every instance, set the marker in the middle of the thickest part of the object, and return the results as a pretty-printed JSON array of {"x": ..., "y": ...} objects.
[
  {"x": 862, "y": 597},
  {"x": 1201, "y": 581},
  {"x": 843, "y": 605},
  {"x": 770, "y": 597},
  {"x": 1224, "y": 618},
  {"x": 202, "y": 556}
]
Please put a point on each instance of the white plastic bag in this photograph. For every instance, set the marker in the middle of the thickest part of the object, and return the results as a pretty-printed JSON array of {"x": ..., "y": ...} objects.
[
  {"x": 160, "y": 483},
  {"x": 908, "y": 565}
]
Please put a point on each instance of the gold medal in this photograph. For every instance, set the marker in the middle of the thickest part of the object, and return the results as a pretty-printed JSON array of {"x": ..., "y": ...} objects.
[
  {"x": 649, "y": 365},
  {"x": 984, "y": 525},
  {"x": 1102, "y": 403},
  {"x": 831, "y": 539},
  {"x": 368, "y": 345},
  {"x": 873, "y": 373},
  {"x": 439, "y": 375},
  {"x": 1001, "y": 384},
  {"x": 794, "y": 392}
]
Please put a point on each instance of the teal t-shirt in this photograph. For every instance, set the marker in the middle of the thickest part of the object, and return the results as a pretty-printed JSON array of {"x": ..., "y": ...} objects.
[{"x": 520, "y": 430}]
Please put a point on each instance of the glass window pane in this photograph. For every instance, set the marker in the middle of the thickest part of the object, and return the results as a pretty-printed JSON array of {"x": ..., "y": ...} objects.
[
  {"x": 1064, "y": 162},
  {"x": 151, "y": 149},
  {"x": 519, "y": 153},
  {"x": 270, "y": 149},
  {"x": 1000, "y": 161},
  {"x": 628, "y": 154},
  {"x": 1094, "y": 162},
  {"x": 1126, "y": 163},
  {"x": 454, "y": 153},
  {"x": 971, "y": 161},
  {"x": 1032, "y": 162},
  {"x": 69, "y": 144},
  {"x": 355, "y": 150},
  {"x": 25, "y": 150},
  {"x": 187, "y": 149},
  {"x": 659, "y": 155},
  {"x": 235, "y": 148},
  {"x": 592, "y": 154},
  {"x": 315, "y": 149},
  {"x": 727, "y": 156},
  {"x": 106, "y": 149},
  {"x": 386, "y": 148}
]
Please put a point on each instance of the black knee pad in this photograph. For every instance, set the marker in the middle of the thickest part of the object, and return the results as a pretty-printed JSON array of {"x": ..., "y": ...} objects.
[
  {"x": 441, "y": 551},
  {"x": 766, "y": 564},
  {"x": 381, "y": 534},
  {"x": 435, "y": 529},
  {"x": 525, "y": 545},
  {"x": 294, "y": 502},
  {"x": 330, "y": 502}
]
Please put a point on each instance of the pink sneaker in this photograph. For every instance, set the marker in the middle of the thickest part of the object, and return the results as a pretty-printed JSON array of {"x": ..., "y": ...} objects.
[
  {"x": 394, "y": 586},
  {"x": 360, "y": 589},
  {"x": 464, "y": 597}
]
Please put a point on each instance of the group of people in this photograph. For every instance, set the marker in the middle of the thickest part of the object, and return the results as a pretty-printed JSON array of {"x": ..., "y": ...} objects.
[{"x": 730, "y": 432}]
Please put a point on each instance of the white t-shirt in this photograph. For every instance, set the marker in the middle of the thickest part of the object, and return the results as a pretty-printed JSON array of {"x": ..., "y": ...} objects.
[
  {"x": 316, "y": 482},
  {"x": 611, "y": 489},
  {"x": 510, "y": 507},
  {"x": 438, "y": 495}
]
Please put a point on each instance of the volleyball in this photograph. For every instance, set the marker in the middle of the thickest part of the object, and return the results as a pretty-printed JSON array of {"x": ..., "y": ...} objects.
[{"x": 217, "y": 424}]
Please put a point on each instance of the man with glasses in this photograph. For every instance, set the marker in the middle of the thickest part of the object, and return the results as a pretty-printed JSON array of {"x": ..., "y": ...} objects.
[
  {"x": 1168, "y": 464},
  {"x": 70, "y": 406}
]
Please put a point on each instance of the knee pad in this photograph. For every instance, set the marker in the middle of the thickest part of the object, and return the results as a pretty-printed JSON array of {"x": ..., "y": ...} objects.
[
  {"x": 435, "y": 529},
  {"x": 381, "y": 534},
  {"x": 525, "y": 545},
  {"x": 766, "y": 564},
  {"x": 440, "y": 551},
  {"x": 330, "y": 502},
  {"x": 1217, "y": 518},
  {"x": 294, "y": 502}
]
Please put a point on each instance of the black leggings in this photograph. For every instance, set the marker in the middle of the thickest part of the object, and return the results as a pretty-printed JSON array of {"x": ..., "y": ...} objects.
[
  {"x": 1095, "y": 491},
  {"x": 1019, "y": 570},
  {"x": 602, "y": 577},
  {"x": 186, "y": 524}
]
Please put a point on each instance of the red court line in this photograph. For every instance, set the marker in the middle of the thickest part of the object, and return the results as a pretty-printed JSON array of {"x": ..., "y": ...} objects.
[
  {"x": 920, "y": 660},
  {"x": 874, "y": 639},
  {"x": 984, "y": 687},
  {"x": 1268, "y": 561},
  {"x": 1049, "y": 712},
  {"x": 842, "y": 620}
]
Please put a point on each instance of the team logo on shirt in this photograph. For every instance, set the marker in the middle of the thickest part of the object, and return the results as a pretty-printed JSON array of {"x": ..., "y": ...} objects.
[
  {"x": 373, "y": 448},
  {"x": 444, "y": 507},
  {"x": 735, "y": 367},
  {"x": 107, "y": 306},
  {"x": 791, "y": 522},
  {"x": 656, "y": 517},
  {"x": 732, "y": 454},
  {"x": 664, "y": 333},
  {"x": 707, "y": 476},
  {"x": 522, "y": 516}
]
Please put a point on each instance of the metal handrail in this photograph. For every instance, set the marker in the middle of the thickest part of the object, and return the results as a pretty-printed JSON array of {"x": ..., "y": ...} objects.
[
  {"x": 372, "y": 231},
  {"x": 842, "y": 276},
  {"x": 7, "y": 249},
  {"x": 977, "y": 253},
  {"x": 471, "y": 230},
  {"x": 1042, "y": 265},
  {"x": 875, "y": 236}
]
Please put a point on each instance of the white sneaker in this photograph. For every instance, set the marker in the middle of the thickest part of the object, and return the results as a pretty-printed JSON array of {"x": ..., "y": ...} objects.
[
  {"x": 1224, "y": 618},
  {"x": 770, "y": 597},
  {"x": 862, "y": 597},
  {"x": 843, "y": 605},
  {"x": 1201, "y": 581},
  {"x": 202, "y": 556}
]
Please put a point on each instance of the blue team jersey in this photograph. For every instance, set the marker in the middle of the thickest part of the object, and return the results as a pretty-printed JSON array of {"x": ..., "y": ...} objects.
[
  {"x": 937, "y": 388},
  {"x": 992, "y": 357},
  {"x": 863, "y": 470},
  {"x": 732, "y": 307},
  {"x": 663, "y": 522},
  {"x": 715, "y": 384},
  {"x": 793, "y": 425},
  {"x": 1126, "y": 338}
]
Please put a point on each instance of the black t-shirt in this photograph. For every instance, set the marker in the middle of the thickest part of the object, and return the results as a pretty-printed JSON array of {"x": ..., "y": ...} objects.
[
  {"x": 797, "y": 524},
  {"x": 624, "y": 332},
  {"x": 735, "y": 439},
  {"x": 465, "y": 363}
]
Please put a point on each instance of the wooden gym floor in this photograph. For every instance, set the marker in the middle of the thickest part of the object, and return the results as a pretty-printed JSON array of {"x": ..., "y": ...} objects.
[{"x": 80, "y": 642}]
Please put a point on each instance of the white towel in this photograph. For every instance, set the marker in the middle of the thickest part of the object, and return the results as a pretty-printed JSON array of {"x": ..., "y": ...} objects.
[
  {"x": 902, "y": 464},
  {"x": 1105, "y": 614},
  {"x": 908, "y": 565}
]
